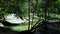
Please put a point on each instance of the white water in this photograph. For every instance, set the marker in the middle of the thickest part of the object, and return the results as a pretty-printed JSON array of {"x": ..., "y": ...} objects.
[{"x": 13, "y": 19}]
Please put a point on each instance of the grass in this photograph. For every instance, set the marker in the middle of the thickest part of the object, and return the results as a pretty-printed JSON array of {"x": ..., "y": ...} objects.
[{"x": 20, "y": 28}]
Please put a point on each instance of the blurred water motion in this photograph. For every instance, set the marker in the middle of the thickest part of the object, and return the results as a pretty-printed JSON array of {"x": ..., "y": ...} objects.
[{"x": 13, "y": 19}]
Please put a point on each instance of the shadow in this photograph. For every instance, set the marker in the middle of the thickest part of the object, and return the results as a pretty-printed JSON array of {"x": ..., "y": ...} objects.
[
  {"x": 5, "y": 23},
  {"x": 4, "y": 30}
]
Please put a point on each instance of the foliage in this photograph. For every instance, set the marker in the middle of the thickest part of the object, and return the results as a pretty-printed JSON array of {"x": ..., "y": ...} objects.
[{"x": 19, "y": 7}]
